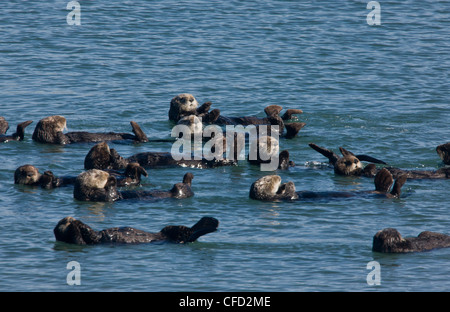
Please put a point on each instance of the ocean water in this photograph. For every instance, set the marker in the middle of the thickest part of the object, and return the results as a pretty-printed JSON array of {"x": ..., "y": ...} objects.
[{"x": 381, "y": 90}]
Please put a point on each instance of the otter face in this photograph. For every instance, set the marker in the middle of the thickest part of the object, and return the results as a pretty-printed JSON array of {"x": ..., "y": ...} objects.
[
  {"x": 444, "y": 152},
  {"x": 182, "y": 105},
  {"x": 387, "y": 240},
  {"x": 27, "y": 175},
  {"x": 270, "y": 188},
  {"x": 348, "y": 165},
  {"x": 94, "y": 178},
  {"x": 49, "y": 130}
]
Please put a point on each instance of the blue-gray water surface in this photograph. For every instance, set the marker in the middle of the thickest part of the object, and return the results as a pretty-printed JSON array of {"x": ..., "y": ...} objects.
[{"x": 381, "y": 90}]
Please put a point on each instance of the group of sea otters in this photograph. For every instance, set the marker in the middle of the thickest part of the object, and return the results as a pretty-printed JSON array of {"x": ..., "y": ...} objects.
[{"x": 107, "y": 173}]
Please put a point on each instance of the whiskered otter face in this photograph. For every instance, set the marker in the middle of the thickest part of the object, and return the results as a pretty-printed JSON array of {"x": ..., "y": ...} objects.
[
  {"x": 348, "y": 165},
  {"x": 26, "y": 175},
  {"x": 182, "y": 105}
]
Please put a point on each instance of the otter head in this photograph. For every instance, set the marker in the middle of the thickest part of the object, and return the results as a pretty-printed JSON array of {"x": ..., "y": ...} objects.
[
  {"x": 96, "y": 185},
  {"x": 102, "y": 157},
  {"x": 349, "y": 164},
  {"x": 444, "y": 152},
  {"x": 135, "y": 170},
  {"x": 27, "y": 175},
  {"x": 183, "y": 190},
  {"x": 270, "y": 188},
  {"x": 182, "y": 105},
  {"x": 265, "y": 149},
  {"x": 72, "y": 231},
  {"x": 388, "y": 240},
  {"x": 49, "y": 130}
]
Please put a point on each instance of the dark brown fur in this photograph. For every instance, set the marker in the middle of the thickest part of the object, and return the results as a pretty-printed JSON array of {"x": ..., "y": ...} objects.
[
  {"x": 389, "y": 240},
  {"x": 16, "y": 136},
  {"x": 72, "y": 231}
]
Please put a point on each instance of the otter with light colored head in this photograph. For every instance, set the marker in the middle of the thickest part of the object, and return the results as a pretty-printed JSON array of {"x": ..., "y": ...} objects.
[
  {"x": 72, "y": 231},
  {"x": 269, "y": 188},
  {"x": 101, "y": 186},
  {"x": 50, "y": 130},
  {"x": 350, "y": 164},
  {"x": 389, "y": 240}
]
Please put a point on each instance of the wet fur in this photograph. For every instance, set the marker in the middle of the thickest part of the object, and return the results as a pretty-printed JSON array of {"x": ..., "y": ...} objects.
[
  {"x": 389, "y": 240},
  {"x": 72, "y": 231},
  {"x": 50, "y": 130},
  {"x": 350, "y": 164},
  {"x": 99, "y": 185},
  {"x": 16, "y": 136},
  {"x": 269, "y": 188}
]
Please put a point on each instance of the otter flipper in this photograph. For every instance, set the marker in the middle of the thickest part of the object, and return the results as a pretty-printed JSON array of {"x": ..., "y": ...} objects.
[
  {"x": 204, "y": 108},
  {"x": 383, "y": 181},
  {"x": 370, "y": 159},
  {"x": 399, "y": 182},
  {"x": 140, "y": 135},
  {"x": 288, "y": 114},
  {"x": 293, "y": 128},
  {"x": 332, "y": 157},
  {"x": 204, "y": 226},
  {"x": 284, "y": 162},
  {"x": 212, "y": 116},
  {"x": 273, "y": 110}
]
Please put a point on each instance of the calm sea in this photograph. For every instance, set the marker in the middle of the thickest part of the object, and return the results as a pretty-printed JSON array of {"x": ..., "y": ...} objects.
[{"x": 381, "y": 90}]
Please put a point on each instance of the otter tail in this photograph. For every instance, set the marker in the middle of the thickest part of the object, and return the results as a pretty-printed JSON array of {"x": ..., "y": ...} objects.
[
  {"x": 140, "y": 135},
  {"x": 204, "y": 226}
]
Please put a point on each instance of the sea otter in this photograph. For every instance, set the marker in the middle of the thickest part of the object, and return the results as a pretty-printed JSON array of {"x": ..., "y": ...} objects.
[
  {"x": 269, "y": 188},
  {"x": 17, "y": 136},
  {"x": 350, "y": 164},
  {"x": 185, "y": 104},
  {"x": 389, "y": 240},
  {"x": 102, "y": 157},
  {"x": 72, "y": 231},
  {"x": 443, "y": 151},
  {"x": 99, "y": 185},
  {"x": 29, "y": 175},
  {"x": 49, "y": 130}
]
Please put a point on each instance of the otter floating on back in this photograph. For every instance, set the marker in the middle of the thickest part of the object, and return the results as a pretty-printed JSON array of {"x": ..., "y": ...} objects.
[
  {"x": 16, "y": 136},
  {"x": 49, "y": 130},
  {"x": 184, "y": 105},
  {"x": 98, "y": 185},
  {"x": 72, "y": 231},
  {"x": 389, "y": 240},
  {"x": 30, "y": 175},
  {"x": 269, "y": 188},
  {"x": 350, "y": 164}
]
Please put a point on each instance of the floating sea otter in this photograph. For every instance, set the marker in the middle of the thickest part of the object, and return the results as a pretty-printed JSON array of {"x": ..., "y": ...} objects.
[
  {"x": 185, "y": 105},
  {"x": 99, "y": 185},
  {"x": 269, "y": 188},
  {"x": 72, "y": 231},
  {"x": 102, "y": 157},
  {"x": 389, "y": 240},
  {"x": 444, "y": 152},
  {"x": 49, "y": 130},
  {"x": 350, "y": 164},
  {"x": 17, "y": 136},
  {"x": 29, "y": 175}
]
